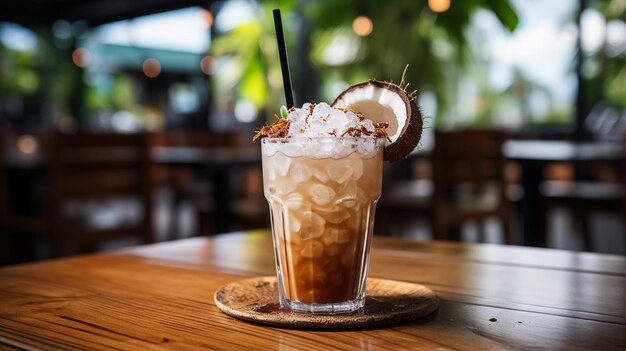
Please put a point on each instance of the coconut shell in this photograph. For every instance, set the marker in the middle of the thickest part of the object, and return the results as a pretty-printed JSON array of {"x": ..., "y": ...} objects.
[
  {"x": 412, "y": 132},
  {"x": 408, "y": 140}
]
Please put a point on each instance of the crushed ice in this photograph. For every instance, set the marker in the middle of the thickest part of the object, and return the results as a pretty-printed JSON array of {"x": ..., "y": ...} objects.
[{"x": 322, "y": 120}]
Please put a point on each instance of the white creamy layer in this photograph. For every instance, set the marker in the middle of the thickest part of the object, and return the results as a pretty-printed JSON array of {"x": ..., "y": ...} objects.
[{"x": 322, "y": 147}]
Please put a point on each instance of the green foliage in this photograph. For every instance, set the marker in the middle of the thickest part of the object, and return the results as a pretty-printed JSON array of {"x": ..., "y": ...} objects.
[
  {"x": 616, "y": 87},
  {"x": 248, "y": 55},
  {"x": 505, "y": 13},
  {"x": 123, "y": 94},
  {"x": 17, "y": 72},
  {"x": 608, "y": 83},
  {"x": 253, "y": 87},
  {"x": 405, "y": 32},
  {"x": 43, "y": 78}
]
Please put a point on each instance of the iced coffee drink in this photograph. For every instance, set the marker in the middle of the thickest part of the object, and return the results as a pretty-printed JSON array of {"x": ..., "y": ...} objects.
[
  {"x": 322, "y": 207},
  {"x": 322, "y": 170},
  {"x": 322, "y": 192}
]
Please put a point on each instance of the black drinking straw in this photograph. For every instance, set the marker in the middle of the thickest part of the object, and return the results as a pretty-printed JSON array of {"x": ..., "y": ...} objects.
[{"x": 282, "y": 53}]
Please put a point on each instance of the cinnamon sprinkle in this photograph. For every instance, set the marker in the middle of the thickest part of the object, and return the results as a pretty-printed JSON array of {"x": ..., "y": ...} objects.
[{"x": 279, "y": 129}]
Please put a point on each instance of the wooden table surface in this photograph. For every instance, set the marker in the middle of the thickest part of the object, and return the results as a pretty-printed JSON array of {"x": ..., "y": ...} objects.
[
  {"x": 533, "y": 156},
  {"x": 161, "y": 297}
]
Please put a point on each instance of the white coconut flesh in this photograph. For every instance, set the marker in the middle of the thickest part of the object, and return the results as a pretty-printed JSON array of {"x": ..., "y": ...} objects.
[
  {"x": 389, "y": 103},
  {"x": 378, "y": 105}
]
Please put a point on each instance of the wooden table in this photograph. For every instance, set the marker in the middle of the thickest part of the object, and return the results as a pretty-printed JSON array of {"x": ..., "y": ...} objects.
[
  {"x": 161, "y": 296},
  {"x": 533, "y": 156}
]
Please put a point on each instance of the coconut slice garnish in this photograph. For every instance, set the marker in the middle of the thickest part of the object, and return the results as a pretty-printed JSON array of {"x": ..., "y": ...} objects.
[{"x": 388, "y": 103}]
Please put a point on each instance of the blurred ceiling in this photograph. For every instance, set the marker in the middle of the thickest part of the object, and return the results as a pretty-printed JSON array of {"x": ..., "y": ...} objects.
[{"x": 33, "y": 13}]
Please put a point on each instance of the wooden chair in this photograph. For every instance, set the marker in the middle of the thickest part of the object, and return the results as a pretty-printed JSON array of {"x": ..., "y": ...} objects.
[
  {"x": 469, "y": 182},
  {"x": 582, "y": 198},
  {"x": 188, "y": 186},
  {"x": 83, "y": 171},
  {"x": 4, "y": 182},
  {"x": 403, "y": 204},
  {"x": 5, "y": 242},
  {"x": 182, "y": 179}
]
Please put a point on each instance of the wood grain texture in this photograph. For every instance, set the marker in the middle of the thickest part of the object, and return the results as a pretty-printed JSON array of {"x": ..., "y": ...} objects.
[
  {"x": 161, "y": 297},
  {"x": 387, "y": 302}
]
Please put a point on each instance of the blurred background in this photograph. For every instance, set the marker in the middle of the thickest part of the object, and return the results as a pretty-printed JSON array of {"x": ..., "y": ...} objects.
[{"x": 123, "y": 123}]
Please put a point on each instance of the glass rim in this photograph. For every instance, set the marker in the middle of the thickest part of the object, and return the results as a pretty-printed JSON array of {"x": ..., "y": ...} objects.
[{"x": 303, "y": 139}]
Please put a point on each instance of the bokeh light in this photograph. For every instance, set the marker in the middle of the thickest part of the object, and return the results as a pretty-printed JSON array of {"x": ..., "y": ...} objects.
[
  {"x": 362, "y": 26},
  {"x": 81, "y": 57},
  {"x": 208, "y": 18},
  {"x": 439, "y": 5},
  {"x": 207, "y": 65},
  {"x": 245, "y": 111},
  {"x": 151, "y": 68},
  {"x": 27, "y": 144},
  {"x": 62, "y": 29}
]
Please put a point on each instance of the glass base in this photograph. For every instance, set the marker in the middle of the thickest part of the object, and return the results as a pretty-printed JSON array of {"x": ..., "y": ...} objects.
[{"x": 323, "y": 308}]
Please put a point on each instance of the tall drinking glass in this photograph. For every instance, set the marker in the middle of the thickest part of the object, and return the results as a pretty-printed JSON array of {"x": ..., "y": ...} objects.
[{"x": 322, "y": 194}]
